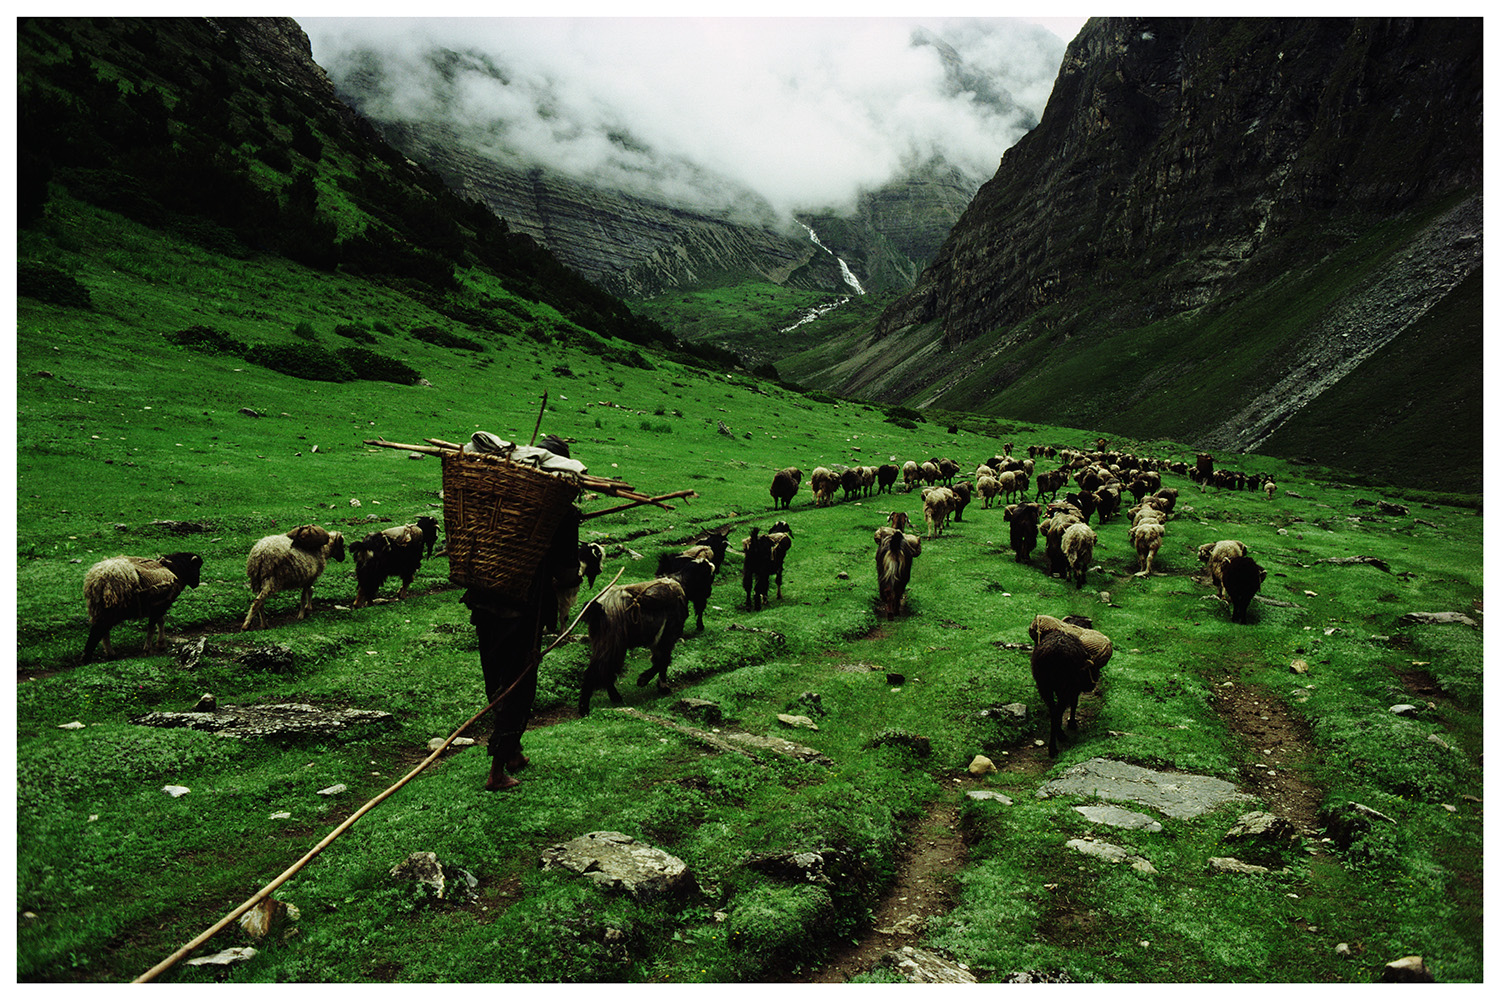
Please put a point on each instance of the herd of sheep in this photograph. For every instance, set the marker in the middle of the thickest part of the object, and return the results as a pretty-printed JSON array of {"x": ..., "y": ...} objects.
[{"x": 1067, "y": 656}]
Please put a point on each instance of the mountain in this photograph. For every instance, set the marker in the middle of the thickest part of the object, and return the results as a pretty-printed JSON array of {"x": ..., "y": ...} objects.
[
  {"x": 1216, "y": 224},
  {"x": 661, "y": 222}
]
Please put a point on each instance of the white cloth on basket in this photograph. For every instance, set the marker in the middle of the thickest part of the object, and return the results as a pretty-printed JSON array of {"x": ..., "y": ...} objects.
[{"x": 485, "y": 443}]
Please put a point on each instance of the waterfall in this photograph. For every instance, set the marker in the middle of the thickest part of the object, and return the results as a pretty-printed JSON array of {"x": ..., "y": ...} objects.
[{"x": 849, "y": 278}]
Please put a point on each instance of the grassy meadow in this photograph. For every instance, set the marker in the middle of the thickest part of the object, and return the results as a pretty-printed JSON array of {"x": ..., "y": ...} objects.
[{"x": 119, "y": 428}]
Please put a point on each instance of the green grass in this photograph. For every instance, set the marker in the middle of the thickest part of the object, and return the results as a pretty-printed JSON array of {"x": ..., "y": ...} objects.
[{"x": 113, "y": 875}]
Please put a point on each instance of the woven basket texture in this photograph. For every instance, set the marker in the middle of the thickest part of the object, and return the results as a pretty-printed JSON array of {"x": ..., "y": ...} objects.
[{"x": 499, "y": 518}]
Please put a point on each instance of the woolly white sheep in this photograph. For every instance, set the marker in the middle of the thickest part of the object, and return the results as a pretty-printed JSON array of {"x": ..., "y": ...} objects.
[
  {"x": 1078, "y": 549},
  {"x": 288, "y": 561},
  {"x": 131, "y": 587}
]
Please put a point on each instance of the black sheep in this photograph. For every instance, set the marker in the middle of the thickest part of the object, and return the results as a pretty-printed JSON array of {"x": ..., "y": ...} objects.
[
  {"x": 1023, "y": 518},
  {"x": 757, "y": 572},
  {"x": 639, "y": 614},
  {"x": 695, "y": 573},
  {"x": 1242, "y": 578},
  {"x": 1062, "y": 670},
  {"x": 381, "y": 555}
]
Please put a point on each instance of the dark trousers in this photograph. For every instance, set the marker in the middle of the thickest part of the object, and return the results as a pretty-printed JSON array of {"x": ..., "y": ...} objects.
[{"x": 507, "y": 655}]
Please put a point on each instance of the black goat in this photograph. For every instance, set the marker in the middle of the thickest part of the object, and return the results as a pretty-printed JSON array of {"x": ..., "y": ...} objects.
[
  {"x": 650, "y": 614},
  {"x": 1242, "y": 579},
  {"x": 381, "y": 555},
  {"x": 429, "y": 526},
  {"x": 695, "y": 573},
  {"x": 757, "y": 572},
  {"x": 1062, "y": 670},
  {"x": 894, "y": 551}
]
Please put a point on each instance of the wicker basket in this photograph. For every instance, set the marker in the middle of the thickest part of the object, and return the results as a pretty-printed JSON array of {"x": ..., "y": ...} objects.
[{"x": 499, "y": 519}]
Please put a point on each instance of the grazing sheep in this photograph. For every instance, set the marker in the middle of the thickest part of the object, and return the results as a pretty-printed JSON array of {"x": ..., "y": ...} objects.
[
  {"x": 650, "y": 614},
  {"x": 1107, "y": 501},
  {"x": 1007, "y": 485},
  {"x": 781, "y": 542},
  {"x": 381, "y": 555},
  {"x": 286, "y": 562},
  {"x": 1096, "y": 644},
  {"x": 1241, "y": 577},
  {"x": 962, "y": 494},
  {"x": 885, "y": 478},
  {"x": 853, "y": 482},
  {"x": 911, "y": 474},
  {"x": 824, "y": 483},
  {"x": 1216, "y": 554},
  {"x": 130, "y": 587},
  {"x": 1023, "y": 518},
  {"x": 756, "y": 575},
  {"x": 1078, "y": 548},
  {"x": 1270, "y": 488},
  {"x": 947, "y": 469},
  {"x": 1062, "y": 670},
  {"x": 695, "y": 573},
  {"x": 929, "y": 472},
  {"x": 989, "y": 489},
  {"x": 1050, "y": 483},
  {"x": 894, "y": 551},
  {"x": 1146, "y": 537},
  {"x": 1060, "y": 517},
  {"x": 784, "y": 486},
  {"x": 429, "y": 526}
]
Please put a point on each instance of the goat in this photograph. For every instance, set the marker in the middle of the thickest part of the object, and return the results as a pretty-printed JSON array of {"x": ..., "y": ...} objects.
[
  {"x": 911, "y": 474},
  {"x": 894, "y": 551},
  {"x": 784, "y": 486},
  {"x": 1242, "y": 577},
  {"x": 1078, "y": 548},
  {"x": 429, "y": 526},
  {"x": 756, "y": 575},
  {"x": 650, "y": 614},
  {"x": 288, "y": 561},
  {"x": 130, "y": 587},
  {"x": 590, "y": 564},
  {"x": 885, "y": 478},
  {"x": 1062, "y": 670},
  {"x": 1216, "y": 555},
  {"x": 381, "y": 555},
  {"x": 781, "y": 542},
  {"x": 1023, "y": 518}
]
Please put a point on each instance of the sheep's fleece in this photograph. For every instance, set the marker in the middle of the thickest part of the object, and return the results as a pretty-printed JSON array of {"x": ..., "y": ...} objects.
[{"x": 483, "y": 442}]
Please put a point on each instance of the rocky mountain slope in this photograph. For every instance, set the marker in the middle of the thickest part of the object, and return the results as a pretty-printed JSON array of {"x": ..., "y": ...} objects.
[{"x": 1323, "y": 175}]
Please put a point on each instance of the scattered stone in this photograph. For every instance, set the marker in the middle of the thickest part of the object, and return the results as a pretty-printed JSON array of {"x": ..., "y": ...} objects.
[
  {"x": 1402, "y": 709},
  {"x": 985, "y": 795},
  {"x": 1410, "y": 969},
  {"x": 1117, "y": 817},
  {"x": 1113, "y": 853},
  {"x": 1435, "y": 738},
  {"x": 1179, "y": 796},
  {"x": 333, "y": 790},
  {"x": 796, "y": 721},
  {"x": 415, "y": 456},
  {"x": 272, "y": 657},
  {"x": 75, "y": 724},
  {"x": 908, "y": 925},
  {"x": 1395, "y": 509},
  {"x": 776, "y": 744},
  {"x": 616, "y": 861},
  {"x": 1261, "y": 826},
  {"x": 1342, "y": 949},
  {"x": 814, "y": 701},
  {"x": 1379, "y": 564},
  {"x": 249, "y": 412},
  {"x": 266, "y": 916},
  {"x": 281, "y": 815},
  {"x": 180, "y": 527},
  {"x": 226, "y": 957},
  {"x": 243, "y": 722},
  {"x": 207, "y": 703},
  {"x": 1436, "y": 618},
  {"x": 176, "y": 791},
  {"x": 1300, "y": 667},
  {"x": 917, "y": 965},
  {"x": 436, "y": 881},
  {"x": 981, "y": 765},
  {"x": 700, "y": 710},
  {"x": 1235, "y": 865},
  {"x": 1038, "y": 976},
  {"x": 841, "y": 575},
  {"x": 822, "y": 867},
  {"x": 894, "y": 679}
]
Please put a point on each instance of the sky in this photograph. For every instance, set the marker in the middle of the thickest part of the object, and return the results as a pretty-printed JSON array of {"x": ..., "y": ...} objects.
[{"x": 805, "y": 112}]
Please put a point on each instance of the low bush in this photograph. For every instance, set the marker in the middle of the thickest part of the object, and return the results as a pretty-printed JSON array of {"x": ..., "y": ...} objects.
[
  {"x": 352, "y": 332},
  {"x": 442, "y": 338},
  {"x": 206, "y": 339},
  {"x": 309, "y": 361},
  {"x": 376, "y": 367},
  {"x": 47, "y": 284}
]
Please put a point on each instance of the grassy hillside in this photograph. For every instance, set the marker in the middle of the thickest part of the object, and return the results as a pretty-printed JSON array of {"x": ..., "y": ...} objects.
[{"x": 119, "y": 428}]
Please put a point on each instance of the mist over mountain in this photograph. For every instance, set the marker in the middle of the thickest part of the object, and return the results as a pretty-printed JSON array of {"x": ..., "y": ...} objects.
[{"x": 750, "y": 115}]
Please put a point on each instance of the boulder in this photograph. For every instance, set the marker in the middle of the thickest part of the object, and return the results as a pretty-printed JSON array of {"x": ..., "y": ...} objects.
[
  {"x": 617, "y": 861},
  {"x": 1263, "y": 826},
  {"x": 1410, "y": 969},
  {"x": 917, "y": 965},
  {"x": 435, "y": 881},
  {"x": 1178, "y": 796}
]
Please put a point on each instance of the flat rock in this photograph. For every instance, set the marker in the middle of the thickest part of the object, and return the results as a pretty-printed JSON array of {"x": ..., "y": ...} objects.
[
  {"x": 1261, "y": 825},
  {"x": 1179, "y": 796},
  {"x": 985, "y": 795},
  {"x": 1237, "y": 866},
  {"x": 250, "y": 721},
  {"x": 776, "y": 744},
  {"x": 617, "y": 861},
  {"x": 1122, "y": 818},
  {"x": 1113, "y": 853},
  {"x": 1436, "y": 618},
  {"x": 917, "y": 965},
  {"x": 226, "y": 957},
  {"x": 1410, "y": 969}
]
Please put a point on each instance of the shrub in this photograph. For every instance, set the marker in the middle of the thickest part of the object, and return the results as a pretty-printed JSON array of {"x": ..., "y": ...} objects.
[
  {"x": 375, "y": 367},
  {"x": 353, "y": 332},
  {"x": 304, "y": 331},
  {"x": 309, "y": 361},
  {"x": 48, "y": 284},
  {"x": 442, "y": 338},
  {"x": 206, "y": 339}
]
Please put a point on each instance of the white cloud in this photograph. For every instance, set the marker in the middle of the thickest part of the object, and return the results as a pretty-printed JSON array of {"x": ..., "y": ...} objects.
[{"x": 804, "y": 112}]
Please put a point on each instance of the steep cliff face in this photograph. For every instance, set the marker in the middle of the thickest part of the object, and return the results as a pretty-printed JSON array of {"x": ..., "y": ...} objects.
[{"x": 1174, "y": 152}]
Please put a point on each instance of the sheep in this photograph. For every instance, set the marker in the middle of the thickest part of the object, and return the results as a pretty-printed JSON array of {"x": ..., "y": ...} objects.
[
  {"x": 962, "y": 494},
  {"x": 989, "y": 489},
  {"x": 911, "y": 474},
  {"x": 1270, "y": 489},
  {"x": 1060, "y": 517},
  {"x": 1107, "y": 501},
  {"x": 947, "y": 469},
  {"x": 288, "y": 561},
  {"x": 1023, "y": 518},
  {"x": 784, "y": 486},
  {"x": 131, "y": 587},
  {"x": 429, "y": 527},
  {"x": 866, "y": 479},
  {"x": 929, "y": 472},
  {"x": 1096, "y": 644},
  {"x": 781, "y": 542},
  {"x": 1078, "y": 547},
  {"x": 1007, "y": 485},
  {"x": 937, "y": 504},
  {"x": 885, "y": 477},
  {"x": 894, "y": 551},
  {"x": 1050, "y": 482},
  {"x": 1216, "y": 554},
  {"x": 756, "y": 575},
  {"x": 852, "y": 482},
  {"x": 1062, "y": 670},
  {"x": 650, "y": 614},
  {"x": 694, "y": 573},
  {"x": 1146, "y": 537},
  {"x": 824, "y": 483},
  {"x": 1241, "y": 577},
  {"x": 383, "y": 554}
]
